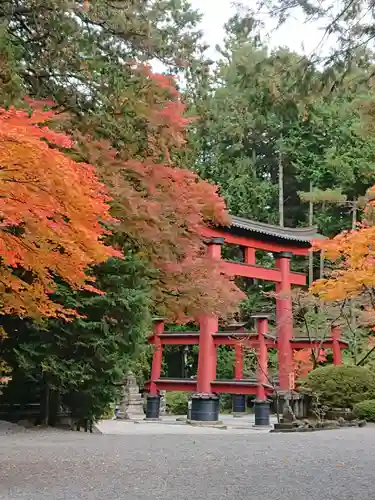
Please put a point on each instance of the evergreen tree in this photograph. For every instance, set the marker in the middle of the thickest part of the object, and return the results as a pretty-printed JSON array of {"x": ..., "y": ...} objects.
[
  {"x": 265, "y": 114},
  {"x": 82, "y": 55},
  {"x": 85, "y": 360},
  {"x": 263, "y": 109}
]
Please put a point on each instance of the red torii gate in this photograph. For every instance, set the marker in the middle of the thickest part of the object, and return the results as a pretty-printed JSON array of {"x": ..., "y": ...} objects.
[{"x": 251, "y": 236}]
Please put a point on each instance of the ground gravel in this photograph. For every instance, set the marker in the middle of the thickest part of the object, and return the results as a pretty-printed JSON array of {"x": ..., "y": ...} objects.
[
  {"x": 327, "y": 465},
  {"x": 10, "y": 428}
]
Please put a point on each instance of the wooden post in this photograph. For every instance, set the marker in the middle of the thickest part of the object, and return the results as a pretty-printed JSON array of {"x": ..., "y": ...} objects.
[
  {"x": 207, "y": 353},
  {"x": 284, "y": 320},
  {"x": 238, "y": 400},
  {"x": 238, "y": 362},
  {"x": 208, "y": 326},
  {"x": 261, "y": 404},
  {"x": 337, "y": 355},
  {"x": 281, "y": 185},
  {"x": 249, "y": 256},
  {"x": 262, "y": 371},
  {"x": 157, "y": 358},
  {"x": 311, "y": 222}
]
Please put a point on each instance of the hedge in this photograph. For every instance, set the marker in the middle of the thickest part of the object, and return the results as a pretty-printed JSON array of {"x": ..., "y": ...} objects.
[
  {"x": 365, "y": 410},
  {"x": 177, "y": 402},
  {"x": 340, "y": 386}
]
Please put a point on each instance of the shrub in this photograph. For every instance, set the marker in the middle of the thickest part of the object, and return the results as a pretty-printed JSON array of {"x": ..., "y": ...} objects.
[
  {"x": 340, "y": 386},
  {"x": 225, "y": 402},
  {"x": 366, "y": 410},
  {"x": 177, "y": 402},
  {"x": 108, "y": 412}
]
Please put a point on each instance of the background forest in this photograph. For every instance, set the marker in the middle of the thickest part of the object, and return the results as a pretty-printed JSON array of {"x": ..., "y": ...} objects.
[{"x": 287, "y": 139}]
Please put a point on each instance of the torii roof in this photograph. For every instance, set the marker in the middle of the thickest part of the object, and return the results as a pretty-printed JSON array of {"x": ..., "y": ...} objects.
[{"x": 300, "y": 234}]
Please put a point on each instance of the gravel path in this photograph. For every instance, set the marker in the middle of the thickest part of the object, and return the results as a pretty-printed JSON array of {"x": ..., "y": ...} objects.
[{"x": 52, "y": 465}]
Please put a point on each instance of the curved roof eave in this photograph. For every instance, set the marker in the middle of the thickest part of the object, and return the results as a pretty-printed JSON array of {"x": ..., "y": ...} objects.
[{"x": 300, "y": 234}]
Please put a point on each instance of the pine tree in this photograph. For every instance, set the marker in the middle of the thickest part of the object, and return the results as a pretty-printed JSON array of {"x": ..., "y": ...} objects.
[{"x": 86, "y": 359}]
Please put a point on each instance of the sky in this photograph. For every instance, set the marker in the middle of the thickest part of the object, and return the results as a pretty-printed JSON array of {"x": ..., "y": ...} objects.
[{"x": 294, "y": 34}]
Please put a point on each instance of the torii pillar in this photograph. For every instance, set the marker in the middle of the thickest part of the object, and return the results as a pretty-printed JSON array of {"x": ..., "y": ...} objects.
[
  {"x": 153, "y": 398},
  {"x": 284, "y": 320},
  {"x": 336, "y": 349},
  {"x": 261, "y": 404},
  {"x": 157, "y": 358},
  {"x": 238, "y": 400},
  {"x": 205, "y": 404}
]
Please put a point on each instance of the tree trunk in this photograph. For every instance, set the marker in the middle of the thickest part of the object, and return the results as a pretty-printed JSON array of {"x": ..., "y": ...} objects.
[
  {"x": 46, "y": 400},
  {"x": 321, "y": 265},
  {"x": 354, "y": 214},
  {"x": 281, "y": 188},
  {"x": 311, "y": 222},
  {"x": 353, "y": 323}
]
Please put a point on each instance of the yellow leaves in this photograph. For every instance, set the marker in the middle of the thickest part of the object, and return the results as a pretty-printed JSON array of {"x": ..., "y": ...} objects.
[
  {"x": 5, "y": 370},
  {"x": 353, "y": 255}
]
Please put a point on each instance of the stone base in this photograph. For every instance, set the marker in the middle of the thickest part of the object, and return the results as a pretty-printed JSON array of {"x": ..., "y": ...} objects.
[
  {"x": 238, "y": 403},
  {"x": 132, "y": 416},
  {"x": 307, "y": 426},
  {"x": 295, "y": 429},
  {"x": 153, "y": 406},
  {"x": 239, "y": 414},
  {"x": 133, "y": 410},
  {"x": 205, "y": 407},
  {"x": 305, "y": 429},
  {"x": 262, "y": 413},
  {"x": 345, "y": 414},
  {"x": 217, "y": 424},
  {"x": 284, "y": 425},
  {"x": 149, "y": 420},
  {"x": 298, "y": 403}
]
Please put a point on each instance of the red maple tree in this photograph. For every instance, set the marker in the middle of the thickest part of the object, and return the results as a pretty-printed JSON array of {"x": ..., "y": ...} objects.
[
  {"x": 51, "y": 209},
  {"x": 304, "y": 361},
  {"x": 162, "y": 209},
  {"x": 353, "y": 255}
]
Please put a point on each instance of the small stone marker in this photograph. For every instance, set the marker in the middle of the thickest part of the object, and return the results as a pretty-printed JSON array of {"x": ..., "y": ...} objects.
[{"x": 131, "y": 407}]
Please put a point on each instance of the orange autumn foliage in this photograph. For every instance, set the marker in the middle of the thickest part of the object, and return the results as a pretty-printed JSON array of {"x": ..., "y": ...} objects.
[
  {"x": 303, "y": 361},
  {"x": 162, "y": 209},
  {"x": 353, "y": 254},
  {"x": 50, "y": 213}
]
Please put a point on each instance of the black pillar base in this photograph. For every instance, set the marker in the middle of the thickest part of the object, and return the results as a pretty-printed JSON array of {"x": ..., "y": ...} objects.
[
  {"x": 238, "y": 403},
  {"x": 205, "y": 407},
  {"x": 153, "y": 406},
  {"x": 262, "y": 413}
]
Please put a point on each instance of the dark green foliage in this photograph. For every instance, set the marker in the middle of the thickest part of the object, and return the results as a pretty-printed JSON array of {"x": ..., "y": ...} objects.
[
  {"x": 87, "y": 359},
  {"x": 261, "y": 108},
  {"x": 225, "y": 362},
  {"x": 82, "y": 58},
  {"x": 340, "y": 386},
  {"x": 177, "y": 402},
  {"x": 225, "y": 402},
  {"x": 365, "y": 410}
]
